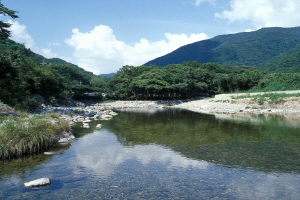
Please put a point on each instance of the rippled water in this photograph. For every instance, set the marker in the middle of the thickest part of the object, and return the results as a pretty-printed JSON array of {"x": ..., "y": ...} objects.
[{"x": 168, "y": 154}]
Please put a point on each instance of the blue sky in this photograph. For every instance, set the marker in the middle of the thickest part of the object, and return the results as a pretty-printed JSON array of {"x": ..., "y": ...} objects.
[{"x": 101, "y": 36}]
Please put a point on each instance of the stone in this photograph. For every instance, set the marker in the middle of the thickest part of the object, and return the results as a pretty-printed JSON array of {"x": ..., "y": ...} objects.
[
  {"x": 98, "y": 125},
  {"x": 38, "y": 182},
  {"x": 64, "y": 140},
  {"x": 50, "y": 153}
]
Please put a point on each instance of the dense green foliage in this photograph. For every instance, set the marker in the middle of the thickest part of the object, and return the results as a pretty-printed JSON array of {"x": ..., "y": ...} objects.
[
  {"x": 24, "y": 73},
  {"x": 180, "y": 81},
  {"x": 249, "y": 48},
  {"x": 4, "y": 32}
]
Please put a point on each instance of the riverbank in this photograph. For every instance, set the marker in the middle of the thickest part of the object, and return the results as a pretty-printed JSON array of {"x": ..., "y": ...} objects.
[
  {"x": 24, "y": 133},
  {"x": 228, "y": 104},
  {"x": 232, "y": 104}
]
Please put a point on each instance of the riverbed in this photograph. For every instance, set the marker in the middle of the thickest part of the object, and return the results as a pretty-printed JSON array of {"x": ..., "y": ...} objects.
[{"x": 166, "y": 154}]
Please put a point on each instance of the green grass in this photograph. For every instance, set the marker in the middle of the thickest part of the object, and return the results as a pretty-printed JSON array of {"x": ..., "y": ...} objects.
[
  {"x": 271, "y": 98},
  {"x": 19, "y": 136}
]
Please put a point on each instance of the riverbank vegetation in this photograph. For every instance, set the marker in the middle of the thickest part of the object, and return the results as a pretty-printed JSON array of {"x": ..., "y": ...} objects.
[{"x": 28, "y": 134}]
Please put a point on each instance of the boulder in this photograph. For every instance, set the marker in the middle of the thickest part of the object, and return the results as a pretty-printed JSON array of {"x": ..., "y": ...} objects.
[
  {"x": 99, "y": 126},
  {"x": 64, "y": 140},
  {"x": 38, "y": 182}
]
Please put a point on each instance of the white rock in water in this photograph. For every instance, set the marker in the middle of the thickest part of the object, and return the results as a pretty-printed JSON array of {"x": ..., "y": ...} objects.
[
  {"x": 99, "y": 126},
  {"x": 38, "y": 182},
  {"x": 50, "y": 153}
]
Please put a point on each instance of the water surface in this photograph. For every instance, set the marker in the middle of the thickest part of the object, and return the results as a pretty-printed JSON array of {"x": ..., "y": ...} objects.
[{"x": 166, "y": 154}]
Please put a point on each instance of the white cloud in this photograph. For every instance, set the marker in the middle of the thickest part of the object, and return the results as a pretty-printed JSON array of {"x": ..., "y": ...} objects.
[
  {"x": 53, "y": 44},
  {"x": 198, "y": 2},
  {"x": 48, "y": 53},
  {"x": 99, "y": 50},
  {"x": 20, "y": 34},
  {"x": 264, "y": 13}
]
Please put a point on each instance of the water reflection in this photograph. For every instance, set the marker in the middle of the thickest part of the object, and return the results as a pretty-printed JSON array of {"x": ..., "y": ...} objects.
[
  {"x": 101, "y": 152},
  {"x": 167, "y": 154}
]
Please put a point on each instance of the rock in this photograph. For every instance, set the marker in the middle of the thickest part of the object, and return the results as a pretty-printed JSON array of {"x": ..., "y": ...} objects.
[
  {"x": 38, "y": 182},
  {"x": 64, "y": 140},
  {"x": 99, "y": 126},
  {"x": 106, "y": 117},
  {"x": 85, "y": 125},
  {"x": 152, "y": 105},
  {"x": 50, "y": 153}
]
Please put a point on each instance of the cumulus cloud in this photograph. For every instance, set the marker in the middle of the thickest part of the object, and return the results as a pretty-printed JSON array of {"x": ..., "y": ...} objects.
[
  {"x": 264, "y": 13},
  {"x": 20, "y": 34},
  {"x": 99, "y": 50}
]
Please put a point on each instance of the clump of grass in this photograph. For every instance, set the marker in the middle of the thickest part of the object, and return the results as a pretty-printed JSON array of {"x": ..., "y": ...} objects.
[{"x": 19, "y": 136}]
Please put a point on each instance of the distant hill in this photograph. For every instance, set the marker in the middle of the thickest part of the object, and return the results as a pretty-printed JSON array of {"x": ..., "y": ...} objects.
[
  {"x": 107, "y": 75},
  {"x": 261, "y": 48}
]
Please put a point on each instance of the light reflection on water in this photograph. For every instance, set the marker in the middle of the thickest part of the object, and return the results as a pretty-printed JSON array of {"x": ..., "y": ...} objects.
[{"x": 128, "y": 159}]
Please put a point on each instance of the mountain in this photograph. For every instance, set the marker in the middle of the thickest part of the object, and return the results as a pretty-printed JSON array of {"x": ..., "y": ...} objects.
[
  {"x": 107, "y": 75},
  {"x": 259, "y": 48}
]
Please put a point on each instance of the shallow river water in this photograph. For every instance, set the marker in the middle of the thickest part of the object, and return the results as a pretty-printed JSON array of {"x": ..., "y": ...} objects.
[{"x": 166, "y": 154}]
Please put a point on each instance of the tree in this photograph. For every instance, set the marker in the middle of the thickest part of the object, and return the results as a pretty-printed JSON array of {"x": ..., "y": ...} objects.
[{"x": 4, "y": 33}]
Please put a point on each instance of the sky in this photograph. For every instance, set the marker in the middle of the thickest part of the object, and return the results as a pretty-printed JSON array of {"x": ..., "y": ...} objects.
[{"x": 102, "y": 36}]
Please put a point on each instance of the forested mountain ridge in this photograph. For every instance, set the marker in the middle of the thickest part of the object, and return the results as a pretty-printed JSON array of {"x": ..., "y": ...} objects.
[{"x": 247, "y": 48}]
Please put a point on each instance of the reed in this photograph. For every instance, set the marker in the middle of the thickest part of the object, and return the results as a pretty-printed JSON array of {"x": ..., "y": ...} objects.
[{"x": 20, "y": 136}]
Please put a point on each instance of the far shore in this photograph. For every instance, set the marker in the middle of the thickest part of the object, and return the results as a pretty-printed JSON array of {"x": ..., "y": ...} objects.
[{"x": 289, "y": 107}]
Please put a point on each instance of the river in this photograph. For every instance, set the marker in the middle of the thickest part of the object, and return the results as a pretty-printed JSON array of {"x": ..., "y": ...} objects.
[{"x": 166, "y": 154}]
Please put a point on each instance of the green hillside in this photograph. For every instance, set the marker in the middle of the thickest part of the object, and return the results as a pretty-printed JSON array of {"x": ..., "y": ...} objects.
[
  {"x": 288, "y": 61},
  {"x": 24, "y": 73},
  {"x": 247, "y": 48}
]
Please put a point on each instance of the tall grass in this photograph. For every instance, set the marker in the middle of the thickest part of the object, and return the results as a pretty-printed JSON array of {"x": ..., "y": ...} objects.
[{"x": 19, "y": 136}]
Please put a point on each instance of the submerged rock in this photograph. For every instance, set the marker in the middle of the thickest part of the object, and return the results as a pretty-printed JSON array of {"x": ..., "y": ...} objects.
[{"x": 38, "y": 182}]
